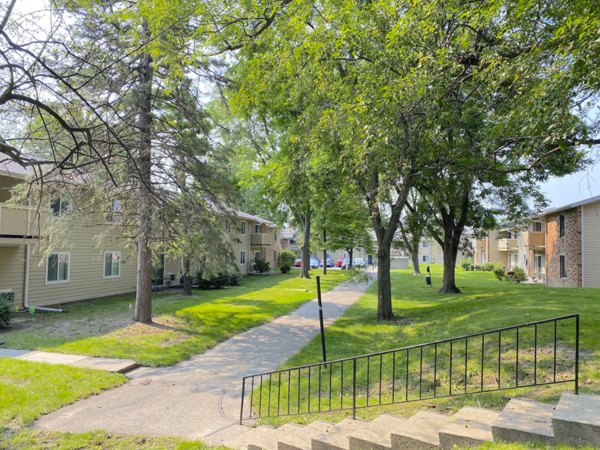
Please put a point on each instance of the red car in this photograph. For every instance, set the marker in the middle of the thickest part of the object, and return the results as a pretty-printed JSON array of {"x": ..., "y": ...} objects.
[{"x": 298, "y": 263}]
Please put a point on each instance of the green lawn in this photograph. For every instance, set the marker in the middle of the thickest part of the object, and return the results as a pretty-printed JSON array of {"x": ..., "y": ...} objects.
[
  {"x": 184, "y": 326},
  {"x": 423, "y": 315},
  {"x": 30, "y": 389}
]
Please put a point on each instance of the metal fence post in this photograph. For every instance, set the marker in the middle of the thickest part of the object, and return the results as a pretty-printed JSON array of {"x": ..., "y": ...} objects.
[
  {"x": 242, "y": 407},
  {"x": 354, "y": 388},
  {"x": 577, "y": 354}
]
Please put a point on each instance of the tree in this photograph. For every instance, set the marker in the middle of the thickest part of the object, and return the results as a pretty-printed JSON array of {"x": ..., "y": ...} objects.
[{"x": 412, "y": 228}]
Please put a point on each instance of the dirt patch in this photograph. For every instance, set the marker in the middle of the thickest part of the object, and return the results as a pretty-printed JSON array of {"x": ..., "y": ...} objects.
[{"x": 159, "y": 326}]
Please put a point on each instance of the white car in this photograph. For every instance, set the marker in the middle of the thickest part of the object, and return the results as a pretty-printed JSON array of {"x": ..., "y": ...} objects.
[{"x": 359, "y": 262}]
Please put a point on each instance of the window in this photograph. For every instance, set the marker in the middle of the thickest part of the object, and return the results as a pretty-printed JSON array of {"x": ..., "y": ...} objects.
[
  {"x": 112, "y": 264},
  {"x": 425, "y": 258},
  {"x": 257, "y": 228},
  {"x": 227, "y": 225},
  {"x": 425, "y": 244},
  {"x": 537, "y": 226},
  {"x": 59, "y": 203},
  {"x": 242, "y": 227},
  {"x": 561, "y": 226},
  {"x": 242, "y": 258},
  {"x": 512, "y": 235},
  {"x": 115, "y": 214},
  {"x": 256, "y": 256},
  {"x": 57, "y": 268},
  {"x": 563, "y": 266}
]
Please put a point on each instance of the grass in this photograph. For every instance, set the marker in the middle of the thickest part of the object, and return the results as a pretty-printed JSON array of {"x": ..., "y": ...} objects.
[
  {"x": 30, "y": 389},
  {"x": 183, "y": 326},
  {"x": 423, "y": 315}
]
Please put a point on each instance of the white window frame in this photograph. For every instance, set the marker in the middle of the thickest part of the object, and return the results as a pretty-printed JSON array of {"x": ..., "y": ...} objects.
[
  {"x": 257, "y": 256},
  {"x": 104, "y": 265},
  {"x": 115, "y": 215},
  {"x": 243, "y": 227},
  {"x": 562, "y": 226},
  {"x": 562, "y": 257},
  {"x": 58, "y": 271},
  {"x": 535, "y": 223},
  {"x": 425, "y": 244},
  {"x": 425, "y": 258},
  {"x": 64, "y": 203},
  {"x": 243, "y": 258}
]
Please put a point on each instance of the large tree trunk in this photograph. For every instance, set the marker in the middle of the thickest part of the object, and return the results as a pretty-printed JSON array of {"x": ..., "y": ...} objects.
[
  {"x": 450, "y": 253},
  {"x": 143, "y": 298},
  {"x": 304, "y": 272},
  {"x": 187, "y": 277},
  {"x": 384, "y": 291},
  {"x": 415, "y": 262}
]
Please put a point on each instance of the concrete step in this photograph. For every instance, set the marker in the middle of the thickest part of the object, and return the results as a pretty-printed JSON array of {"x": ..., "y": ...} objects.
[
  {"x": 337, "y": 437},
  {"x": 303, "y": 441},
  {"x": 267, "y": 438},
  {"x": 576, "y": 420},
  {"x": 470, "y": 427},
  {"x": 524, "y": 421},
  {"x": 375, "y": 435},
  {"x": 420, "y": 431}
]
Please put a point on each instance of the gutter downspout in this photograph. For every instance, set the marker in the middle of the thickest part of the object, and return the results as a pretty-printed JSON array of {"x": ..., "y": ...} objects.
[{"x": 26, "y": 288}]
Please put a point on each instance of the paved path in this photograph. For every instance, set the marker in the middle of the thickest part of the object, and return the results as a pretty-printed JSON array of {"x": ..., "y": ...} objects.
[
  {"x": 200, "y": 398},
  {"x": 88, "y": 362}
]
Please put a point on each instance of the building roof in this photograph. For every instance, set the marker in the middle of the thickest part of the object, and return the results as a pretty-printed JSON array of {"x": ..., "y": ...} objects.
[
  {"x": 570, "y": 205},
  {"x": 288, "y": 233},
  {"x": 14, "y": 169}
]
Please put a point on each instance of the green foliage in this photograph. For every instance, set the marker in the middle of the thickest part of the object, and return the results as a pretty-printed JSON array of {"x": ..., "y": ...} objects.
[
  {"x": 261, "y": 266},
  {"x": 285, "y": 268},
  {"x": 466, "y": 264},
  {"x": 287, "y": 257},
  {"x": 234, "y": 278},
  {"x": 517, "y": 275},
  {"x": 499, "y": 272},
  {"x": 487, "y": 267},
  {"x": 6, "y": 305}
]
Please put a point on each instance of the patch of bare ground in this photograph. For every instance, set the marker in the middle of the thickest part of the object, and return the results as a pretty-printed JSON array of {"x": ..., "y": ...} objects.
[{"x": 159, "y": 325}]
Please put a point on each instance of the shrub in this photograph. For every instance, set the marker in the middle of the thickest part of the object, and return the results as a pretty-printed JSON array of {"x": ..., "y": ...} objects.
[
  {"x": 466, "y": 264},
  {"x": 285, "y": 268},
  {"x": 219, "y": 280},
  {"x": 234, "y": 278},
  {"x": 499, "y": 271},
  {"x": 216, "y": 281},
  {"x": 477, "y": 267},
  {"x": 261, "y": 266},
  {"x": 519, "y": 275},
  {"x": 5, "y": 305},
  {"x": 488, "y": 267},
  {"x": 286, "y": 258}
]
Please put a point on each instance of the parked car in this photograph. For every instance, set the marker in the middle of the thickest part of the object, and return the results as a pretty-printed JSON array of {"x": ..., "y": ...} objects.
[
  {"x": 359, "y": 262},
  {"x": 340, "y": 262},
  {"x": 298, "y": 262},
  {"x": 314, "y": 263},
  {"x": 329, "y": 262}
]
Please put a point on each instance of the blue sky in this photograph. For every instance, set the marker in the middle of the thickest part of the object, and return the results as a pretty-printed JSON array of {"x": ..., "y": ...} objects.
[{"x": 578, "y": 186}]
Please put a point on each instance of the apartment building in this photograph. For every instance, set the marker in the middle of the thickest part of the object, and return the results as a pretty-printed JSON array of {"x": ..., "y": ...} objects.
[
  {"x": 573, "y": 244},
  {"x": 83, "y": 267},
  {"x": 515, "y": 246}
]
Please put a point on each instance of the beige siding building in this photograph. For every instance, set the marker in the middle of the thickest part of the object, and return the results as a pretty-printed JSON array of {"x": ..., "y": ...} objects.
[{"x": 83, "y": 267}]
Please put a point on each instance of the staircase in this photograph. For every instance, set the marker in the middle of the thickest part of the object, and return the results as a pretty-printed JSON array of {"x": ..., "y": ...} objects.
[{"x": 574, "y": 421}]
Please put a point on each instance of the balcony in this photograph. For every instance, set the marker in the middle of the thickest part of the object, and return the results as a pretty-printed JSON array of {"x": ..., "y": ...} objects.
[
  {"x": 262, "y": 239},
  {"x": 537, "y": 239},
  {"x": 15, "y": 220},
  {"x": 506, "y": 245}
]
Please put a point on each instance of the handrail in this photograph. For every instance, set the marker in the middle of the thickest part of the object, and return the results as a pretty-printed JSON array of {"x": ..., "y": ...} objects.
[{"x": 546, "y": 357}]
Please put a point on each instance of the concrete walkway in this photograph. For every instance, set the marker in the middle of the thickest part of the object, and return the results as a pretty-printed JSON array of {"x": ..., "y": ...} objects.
[
  {"x": 200, "y": 398},
  {"x": 87, "y": 362}
]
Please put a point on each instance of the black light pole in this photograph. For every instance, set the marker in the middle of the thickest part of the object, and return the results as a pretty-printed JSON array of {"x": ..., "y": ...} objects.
[{"x": 321, "y": 318}]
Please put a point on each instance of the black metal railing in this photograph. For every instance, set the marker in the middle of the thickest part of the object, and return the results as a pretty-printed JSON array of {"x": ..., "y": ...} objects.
[{"x": 532, "y": 354}]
